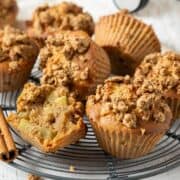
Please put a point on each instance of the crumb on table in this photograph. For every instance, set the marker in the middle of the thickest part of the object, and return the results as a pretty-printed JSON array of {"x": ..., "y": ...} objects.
[
  {"x": 71, "y": 168},
  {"x": 33, "y": 177}
]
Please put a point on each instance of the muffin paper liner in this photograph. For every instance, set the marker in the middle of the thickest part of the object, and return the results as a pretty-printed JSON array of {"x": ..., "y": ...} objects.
[
  {"x": 100, "y": 69},
  {"x": 174, "y": 104},
  {"x": 15, "y": 79},
  {"x": 131, "y": 37},
  {"x": 124, "y": 144}
]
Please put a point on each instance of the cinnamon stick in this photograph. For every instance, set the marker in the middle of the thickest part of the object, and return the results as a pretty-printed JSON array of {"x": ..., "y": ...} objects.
[{"x": 8, "y": 151}]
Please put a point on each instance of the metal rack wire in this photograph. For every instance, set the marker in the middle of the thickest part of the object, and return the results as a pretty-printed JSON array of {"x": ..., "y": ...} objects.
[{"x": 89, "y": 160}]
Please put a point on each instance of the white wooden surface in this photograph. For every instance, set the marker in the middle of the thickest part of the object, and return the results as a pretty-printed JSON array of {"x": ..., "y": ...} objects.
[{"x": 164, "y": 15}]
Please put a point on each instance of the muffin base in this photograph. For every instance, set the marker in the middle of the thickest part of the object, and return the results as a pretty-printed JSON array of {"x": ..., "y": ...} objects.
[
  {"x": 63, "y": 139},
  {"x": 15, "y": 78},
  {"x": 125, "y": 144}
]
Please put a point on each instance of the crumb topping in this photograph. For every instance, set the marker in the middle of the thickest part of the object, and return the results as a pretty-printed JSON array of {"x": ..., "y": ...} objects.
[
  {"x": 67, "y": 43},
  {"x": 47, "y": 107},
  {"x": 60, "y": 59},
  {"x": 120, "y": 99},
  {"x": 162, "y": 70},
  {"x": 33, "y": 177},
  {"x": 64, "y": 16},
  {"x": 7, "y": 6},
  {"x": 15, "y": 45}
]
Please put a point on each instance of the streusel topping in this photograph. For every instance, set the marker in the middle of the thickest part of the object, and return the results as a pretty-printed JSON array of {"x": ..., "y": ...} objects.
[
  {"x": 60, "y": 59},
  {"x": 67, "y": 43},
  {"x": 121, "y": 100},
  {"x": 15, "y": 45},
  {"x": 65, "y": 16},
  {"x": 162, "y": 70},
  {"x": 49, "y": 107},
  {"x": 7, "y": 6}
]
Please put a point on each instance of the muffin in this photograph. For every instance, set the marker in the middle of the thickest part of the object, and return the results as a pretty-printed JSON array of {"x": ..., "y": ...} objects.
[
  {"x": 74, "y": 60},
  {"x": 128, "y": 122},
  {"x": 48, "y": 118},
  {"x": 18, "y": 53},
  {"x": 126, "y": 39},
  {"x": 64, "y": 16},
  {"x": 163, "y": 71},
  {"x": 8, "y": 12}
]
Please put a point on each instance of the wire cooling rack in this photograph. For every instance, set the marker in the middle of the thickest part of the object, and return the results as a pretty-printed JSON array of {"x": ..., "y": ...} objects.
[{"x": 87, "y": 158}]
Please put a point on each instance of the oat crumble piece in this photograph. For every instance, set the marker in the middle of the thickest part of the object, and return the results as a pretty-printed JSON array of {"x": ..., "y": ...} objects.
[{"x": 71, "y": 168}]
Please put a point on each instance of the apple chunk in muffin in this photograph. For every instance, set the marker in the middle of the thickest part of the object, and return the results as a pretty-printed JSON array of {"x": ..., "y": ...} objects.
[{"x": 48, "y": 118}]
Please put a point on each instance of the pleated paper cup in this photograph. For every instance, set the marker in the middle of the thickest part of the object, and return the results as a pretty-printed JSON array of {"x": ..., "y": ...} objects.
[
  {"x": 100, "y": 67},
  {"x": 174, "y": 103},
  {"x": 126, "y": 39},
  {"x": 125, "y": 144},
  {"x": 12, "y": 79}
]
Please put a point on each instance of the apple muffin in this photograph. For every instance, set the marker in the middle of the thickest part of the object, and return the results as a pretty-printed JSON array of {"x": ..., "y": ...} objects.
[
  {"x": 8, "y": 12},
  {"x": 163, "y": 71},
  {"x": 18, "y": 53},
  {"x": 64, "y": 16},
  {"x": 128, "y": 121},
  {"x": 48, "y": 118},
  {"x": 73, "y": 59}
]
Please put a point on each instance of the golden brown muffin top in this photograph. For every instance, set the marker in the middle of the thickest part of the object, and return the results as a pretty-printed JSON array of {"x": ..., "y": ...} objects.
[
  {"x": 66, "y": 42},
  {"x": 15, "y": 45},
  {"x": 46, "y": 106},
  {"x": 119, "y": 99},
  {"x": 64, "y": 16},
  {"x": 161, "y": 70},
  {"x": 61, "y": 58},
  {"x": 7, "y": 6}
]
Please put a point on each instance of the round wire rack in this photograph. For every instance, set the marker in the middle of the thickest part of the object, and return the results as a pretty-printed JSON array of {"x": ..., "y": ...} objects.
[{"x": 87, "y": 159}]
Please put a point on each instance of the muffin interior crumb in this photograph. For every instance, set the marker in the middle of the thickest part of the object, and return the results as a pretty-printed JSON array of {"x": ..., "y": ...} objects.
[{"x": 44, "y": 111}]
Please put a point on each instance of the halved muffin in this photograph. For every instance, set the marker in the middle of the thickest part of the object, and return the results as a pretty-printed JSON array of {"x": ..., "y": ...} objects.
[
  {"x": 64, "y": 16},
  {"x": 48, "y": 118},
  {"x": 18, "y": 53},
  {"x": 73, "y": 59},
  {"x": 8, "y": 12},
  {"x": 126, "y": 39},
  {"x": 128, "y": 122},
  {"x": 163, "y": 71}
]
